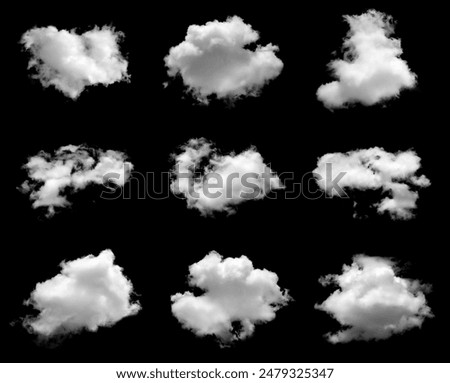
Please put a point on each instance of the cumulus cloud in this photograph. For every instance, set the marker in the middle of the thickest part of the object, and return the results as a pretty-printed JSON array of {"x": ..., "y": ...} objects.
[
  {"x": 372, "y": 302},
  {"x": 71, "y": 167},
  {"x": 213, "y": 60},
  {"x": 211, "y": 182},
  {"x": 89, "y": 293},
  {"x": 393, "y": 173},
  {"x": 372, "y": 70},
  {"x": 70, "y": 61},
  {"x": 236, "y": 297}
]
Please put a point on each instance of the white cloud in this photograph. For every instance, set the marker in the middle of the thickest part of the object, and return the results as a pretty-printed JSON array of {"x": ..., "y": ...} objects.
[
  {"x": 394, "y": 173},
  {"x": 224, "y": 182},
  {"x": 89, "y": 293},
  {"x": 234, "y": 293},
  {"x": 213, "y": 60},
  {"x": 70, "y": 62},
  {"x": 371, "y": 70},
  {"x": 372, "y": 302},
  {"x": 72, "y": 167}
]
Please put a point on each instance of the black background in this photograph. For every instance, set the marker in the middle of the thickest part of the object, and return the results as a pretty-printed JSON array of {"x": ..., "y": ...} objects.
[{"x": 156, "y": 240}]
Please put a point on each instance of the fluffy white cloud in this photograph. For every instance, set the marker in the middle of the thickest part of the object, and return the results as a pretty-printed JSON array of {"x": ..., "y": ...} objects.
[
  {"x": 236, "y": 297},
  {"x": 394, "y": 173},
  {"x": 213, "y": 183},
  {"x": 70, "y": 62},
  {"x": 213, "y": 60},
  {"x": 371, "y": 70},
  {"x": 372, "y": 302},
  {"x": 72, "y": 167},
  {"x": 89, "y": 293}
]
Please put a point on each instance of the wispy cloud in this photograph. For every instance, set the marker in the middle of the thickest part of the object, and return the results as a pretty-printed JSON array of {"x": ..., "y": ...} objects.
[
  {"x": 70, "y": 62},
  {"x": 372, "y": 70},
  {"x": 212, "y": 182},
  {"x": 71, "y": 167}
]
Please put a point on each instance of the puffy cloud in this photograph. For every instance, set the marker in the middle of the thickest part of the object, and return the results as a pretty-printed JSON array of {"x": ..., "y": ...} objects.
[
  {"x": 394, "y": 173},
  {"x": 72, "y": 167},
  {"x": 225, "y": 180},
  {"x": 236, "y": 297},
  {"x": 70, "y": 62},
  {"x": 213, "y": 60},
  {"x": 372, "y": 302},
  {"x": 372, "y": 70},
  {"x": 89, "y": 293}
]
